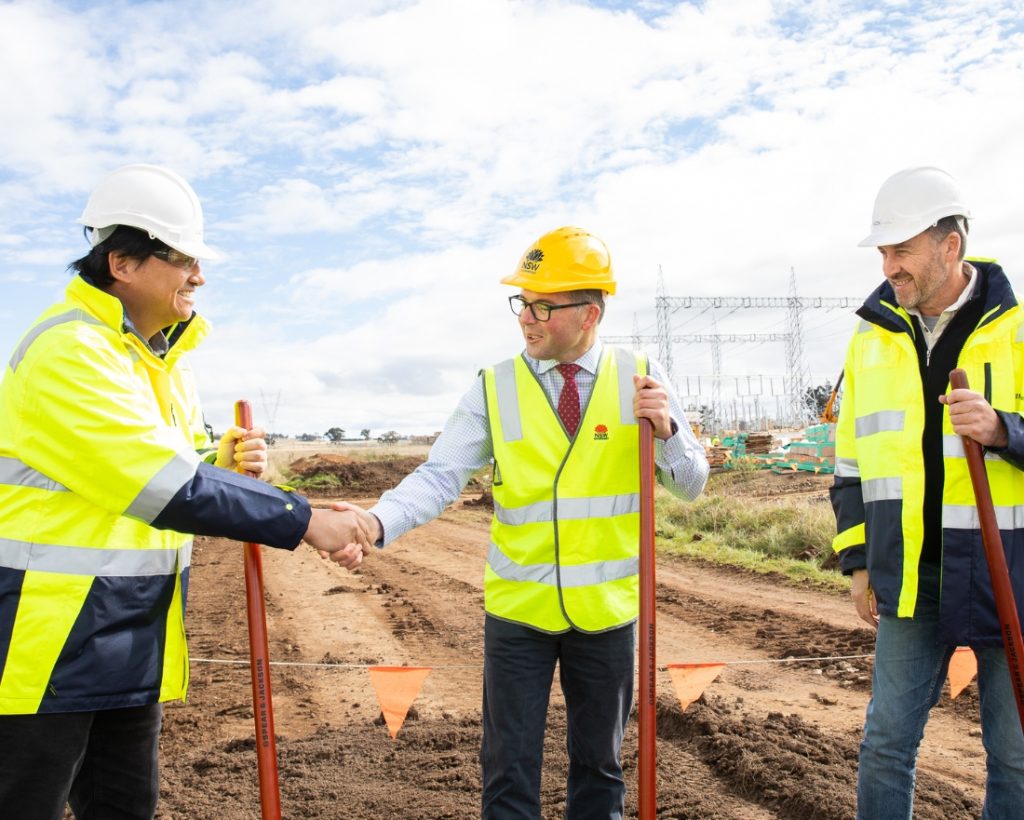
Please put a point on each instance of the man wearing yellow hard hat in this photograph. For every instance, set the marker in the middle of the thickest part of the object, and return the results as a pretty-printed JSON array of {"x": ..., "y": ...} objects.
[{"x": 560, "y": 587}]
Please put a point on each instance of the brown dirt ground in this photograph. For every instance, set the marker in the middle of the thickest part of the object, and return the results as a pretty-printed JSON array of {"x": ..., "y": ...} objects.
[{"x": 770, "y": 738}]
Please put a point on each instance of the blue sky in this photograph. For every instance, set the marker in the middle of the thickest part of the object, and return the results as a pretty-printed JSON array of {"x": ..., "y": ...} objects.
[{"x": 371, "y": 169}]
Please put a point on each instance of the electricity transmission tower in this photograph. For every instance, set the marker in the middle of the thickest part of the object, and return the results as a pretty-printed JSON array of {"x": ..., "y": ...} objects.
[
  {"x": 270, "y": 408},
  {"x": 715, "y": 340},
  {"x": 796, "y": 376}
]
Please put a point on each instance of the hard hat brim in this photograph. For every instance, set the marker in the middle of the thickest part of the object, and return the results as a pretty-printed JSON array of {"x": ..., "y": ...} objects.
[
  {"x": 200, "y": 250},
  {"x": 888, "y": 235},
  {"x": 518, "y": 280}
]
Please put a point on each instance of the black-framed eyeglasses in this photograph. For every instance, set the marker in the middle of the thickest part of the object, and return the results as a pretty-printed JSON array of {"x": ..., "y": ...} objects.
[
  {"x": 176, "y": 258},
  {"x": 541, "y": 310}
]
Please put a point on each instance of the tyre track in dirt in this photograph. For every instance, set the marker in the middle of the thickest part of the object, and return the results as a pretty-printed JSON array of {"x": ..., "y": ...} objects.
[{"x": 766, "y": 740}]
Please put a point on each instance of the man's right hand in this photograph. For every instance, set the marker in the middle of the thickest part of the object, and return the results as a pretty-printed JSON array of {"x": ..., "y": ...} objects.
[
  {"x": 340, "y": 534},
  {"x": 864, "y": 597}
]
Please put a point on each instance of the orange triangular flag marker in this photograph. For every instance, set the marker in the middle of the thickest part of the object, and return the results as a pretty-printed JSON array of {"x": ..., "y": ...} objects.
[
  {"x": 396, "y": 688},
  {"x": 691, "y": 679},
  {"x": 963, "y": 666}
]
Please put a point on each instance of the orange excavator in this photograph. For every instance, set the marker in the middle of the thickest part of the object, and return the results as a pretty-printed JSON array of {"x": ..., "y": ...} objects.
[{"x": 830, "y": 414}]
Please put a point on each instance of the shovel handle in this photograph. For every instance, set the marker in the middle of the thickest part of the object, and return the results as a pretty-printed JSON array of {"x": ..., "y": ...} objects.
[
  {"x": 995, "y": 556},
  {"x": 647, "y": 755},
  {"x": 259, "y": 664}
]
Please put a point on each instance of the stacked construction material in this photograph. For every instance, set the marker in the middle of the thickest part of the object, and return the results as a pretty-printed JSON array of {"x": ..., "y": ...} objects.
[
  {"x": 741, "y": 448},
  {"x": 759, "y": 443},
  {"x": 718, "y": 455},
  {"x": 815, "y": 452}
]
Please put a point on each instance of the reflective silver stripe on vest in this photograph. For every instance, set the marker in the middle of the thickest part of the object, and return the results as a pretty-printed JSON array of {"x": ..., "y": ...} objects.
[
  {"x": 19, "y": 474},
  {"x": 149, "y": 503},
  {"x": 42, "y": 327},
  {"x": 1020, "y": 334},
  {"x": 185, "y": 555},
  {"x": 882, "y": 489},
  {"x": 847, "y": 468},
  {"x": 508, "y": 400},
  {"x": 953, "y": 447},
  {"x": 569, "y": 509},
  {"x": 884, "y": 421},
  {"x": 965, "y": 517},
  {"x": 625, "y": 363},
  {"x": 864, "y": 326},
  {"x": 581, "y": 575},
  {"x": 26, "y": 556}
]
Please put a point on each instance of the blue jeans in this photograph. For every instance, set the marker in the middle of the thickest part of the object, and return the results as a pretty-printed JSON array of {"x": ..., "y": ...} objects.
[
  {"x": 596, "y": 673},
  {"x": 104, "y": 764},
  {"x": 910, "y": 669}
]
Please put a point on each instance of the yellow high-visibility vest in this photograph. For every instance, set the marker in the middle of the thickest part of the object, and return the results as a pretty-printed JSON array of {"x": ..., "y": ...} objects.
[
  {"x": 565, "y": 532},
  {"x": 97, "y": 434},
  {"x": 878, "y": 447}
]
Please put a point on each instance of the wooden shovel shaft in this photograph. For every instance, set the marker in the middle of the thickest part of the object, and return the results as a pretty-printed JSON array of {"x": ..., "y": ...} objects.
[
  {"x": 259, "y": 664},
  {"x": 1006, "y": 605},
  {"x": 647, "y": 759}
]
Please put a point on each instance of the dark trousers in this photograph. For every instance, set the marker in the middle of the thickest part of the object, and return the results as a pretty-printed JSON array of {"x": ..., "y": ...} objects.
[
  {"x": 105, "y": 764},
  {"x": 596, "y": 674}
]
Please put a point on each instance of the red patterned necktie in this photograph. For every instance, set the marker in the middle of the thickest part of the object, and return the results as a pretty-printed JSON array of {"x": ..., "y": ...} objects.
[{"x": 569, "y": 400}]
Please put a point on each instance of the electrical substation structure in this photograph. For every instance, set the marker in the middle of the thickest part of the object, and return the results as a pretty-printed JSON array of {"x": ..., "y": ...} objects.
[{"x": 795, "y": 380}]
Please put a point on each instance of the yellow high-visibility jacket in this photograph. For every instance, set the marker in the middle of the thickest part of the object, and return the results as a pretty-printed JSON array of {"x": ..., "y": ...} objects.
[
  {"x": 565, "y": 533},
  {"x": 880, "y": 483},
  {"x": 98, "y": 469}
]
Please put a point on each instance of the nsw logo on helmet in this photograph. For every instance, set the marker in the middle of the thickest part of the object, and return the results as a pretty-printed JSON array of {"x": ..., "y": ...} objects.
[{"x": 532, "y": 260}]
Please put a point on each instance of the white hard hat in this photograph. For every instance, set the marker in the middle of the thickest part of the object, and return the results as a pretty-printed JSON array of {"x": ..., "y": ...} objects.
[
  {"x": 152, "y": 199},
  {"x": 911, "y": 201}
]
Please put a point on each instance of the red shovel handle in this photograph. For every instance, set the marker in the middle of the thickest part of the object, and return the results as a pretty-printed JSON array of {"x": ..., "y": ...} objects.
[
  {"x": 647, "y": 759},
  {"x": 1006, "y": 605},
  {"x": 259, "y": 664}
]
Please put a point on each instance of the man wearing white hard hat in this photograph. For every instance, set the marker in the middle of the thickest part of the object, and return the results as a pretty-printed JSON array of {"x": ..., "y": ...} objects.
[
  {"x": 908, "y": 530},
  {"x": 106, "y": 472}
]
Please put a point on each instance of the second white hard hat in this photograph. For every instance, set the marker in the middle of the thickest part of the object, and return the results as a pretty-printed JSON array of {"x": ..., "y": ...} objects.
[
  {"x": 152, "y": 199},
  {"x": 911, "y": 201}
]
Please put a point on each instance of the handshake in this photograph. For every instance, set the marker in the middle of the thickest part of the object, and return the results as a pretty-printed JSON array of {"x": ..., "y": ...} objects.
[{"x": 343, "y": 533}]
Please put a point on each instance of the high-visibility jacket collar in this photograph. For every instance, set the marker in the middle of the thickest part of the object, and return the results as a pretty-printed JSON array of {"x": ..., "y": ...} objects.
[{"x": 180, "y": 338}]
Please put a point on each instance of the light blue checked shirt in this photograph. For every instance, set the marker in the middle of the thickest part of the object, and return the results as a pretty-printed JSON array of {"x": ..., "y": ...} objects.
[{"x": 464, "y": 446}]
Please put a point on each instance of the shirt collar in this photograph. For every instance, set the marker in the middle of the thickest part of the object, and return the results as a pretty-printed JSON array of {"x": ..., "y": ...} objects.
[{"x": 588, "y": 361}]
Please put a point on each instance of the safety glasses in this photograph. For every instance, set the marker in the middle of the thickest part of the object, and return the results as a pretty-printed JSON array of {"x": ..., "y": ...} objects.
[{"x": 176, "y": 258}]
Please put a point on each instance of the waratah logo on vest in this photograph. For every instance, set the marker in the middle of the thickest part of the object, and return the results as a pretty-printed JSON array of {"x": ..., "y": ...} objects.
[{"x": 600, "y": 433}]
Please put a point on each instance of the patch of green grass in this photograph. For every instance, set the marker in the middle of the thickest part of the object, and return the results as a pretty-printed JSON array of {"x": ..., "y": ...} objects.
[
  {"x": 319, "y": 482},
  {"x": 791, "y": 538}
]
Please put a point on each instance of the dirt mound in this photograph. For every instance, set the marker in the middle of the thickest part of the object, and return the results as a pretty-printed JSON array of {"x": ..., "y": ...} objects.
[
  {"x": 330, "y": 474},
  {"x": 775, "y": 736}
]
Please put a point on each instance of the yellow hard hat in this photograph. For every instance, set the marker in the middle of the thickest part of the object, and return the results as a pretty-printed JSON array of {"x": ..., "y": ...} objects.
[{"x": 565, "y": 259}]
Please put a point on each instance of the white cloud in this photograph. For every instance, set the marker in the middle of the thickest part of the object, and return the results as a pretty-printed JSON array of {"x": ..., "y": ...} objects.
[{"x": 371, "y": 169}]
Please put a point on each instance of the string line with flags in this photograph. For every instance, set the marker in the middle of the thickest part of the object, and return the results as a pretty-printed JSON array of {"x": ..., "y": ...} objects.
[{"x": 397, "y": 687}]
